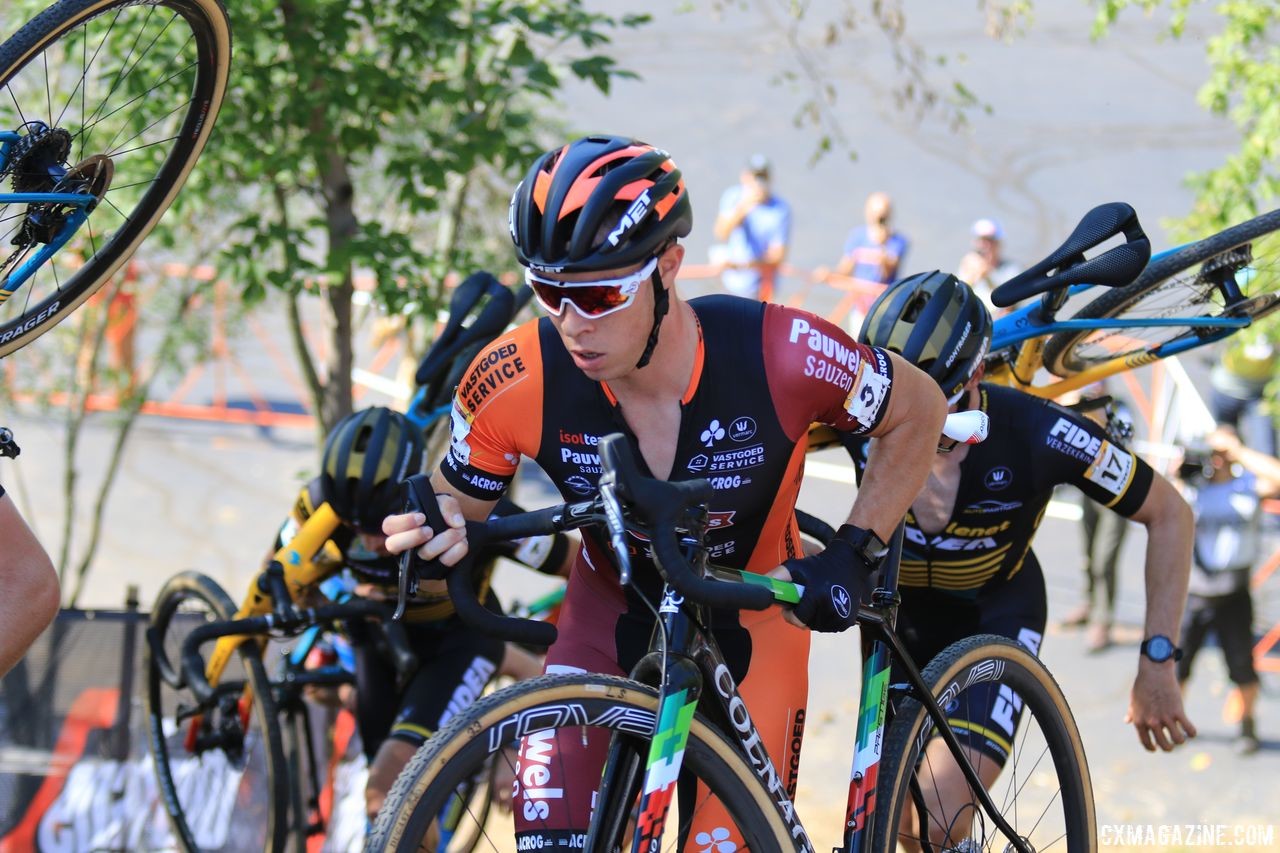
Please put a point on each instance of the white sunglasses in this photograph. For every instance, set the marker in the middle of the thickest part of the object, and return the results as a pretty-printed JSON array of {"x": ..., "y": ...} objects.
[{"x": 591, "y": 299}]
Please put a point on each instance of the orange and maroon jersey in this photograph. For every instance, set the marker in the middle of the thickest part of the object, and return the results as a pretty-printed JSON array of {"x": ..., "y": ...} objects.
[{"x": 763, "y": 374}]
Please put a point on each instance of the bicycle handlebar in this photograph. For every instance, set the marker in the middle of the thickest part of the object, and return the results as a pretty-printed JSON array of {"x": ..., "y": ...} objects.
[
  {"x": 627, "y": 502},
  {"x": 193, "y": 665}
]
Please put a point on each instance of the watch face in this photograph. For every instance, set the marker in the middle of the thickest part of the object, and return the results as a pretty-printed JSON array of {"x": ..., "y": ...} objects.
[{"x": 1159, "y": 648}]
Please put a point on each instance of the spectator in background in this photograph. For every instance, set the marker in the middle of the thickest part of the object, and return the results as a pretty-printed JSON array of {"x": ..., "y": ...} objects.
[
  {"x": 1103, "y": 532},
  {"x": 872, "y": 255},
  {"x": 1238, "y": 382},
  {"x": 984, "y": 266},
  {"x": 873, "y": 252},
  {"x": 755, "y": 227},
  {"x": 1228, "y": 509}
]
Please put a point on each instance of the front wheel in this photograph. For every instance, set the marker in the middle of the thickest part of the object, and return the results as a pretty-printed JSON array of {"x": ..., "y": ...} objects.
[
  {"x": 221, "y": 774},
  {"x": 567, "y": 706},
  {"x": 1181, "y": 284},
  {"x": 999, "y": 698}
]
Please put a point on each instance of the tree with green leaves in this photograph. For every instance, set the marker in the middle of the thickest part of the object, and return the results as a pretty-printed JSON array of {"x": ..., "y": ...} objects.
[
  {"x": 364, "y": 136},
  {"x": 1244, "y": 76}
]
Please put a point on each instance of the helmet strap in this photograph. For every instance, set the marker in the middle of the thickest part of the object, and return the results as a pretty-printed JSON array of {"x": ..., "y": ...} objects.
[{"x": 661, "y": 302}]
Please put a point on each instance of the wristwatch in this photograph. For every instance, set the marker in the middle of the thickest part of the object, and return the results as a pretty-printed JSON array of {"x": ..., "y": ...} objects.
[
  {"x": 1160, "y": 649},
  {"x": 866, "y": 544}
]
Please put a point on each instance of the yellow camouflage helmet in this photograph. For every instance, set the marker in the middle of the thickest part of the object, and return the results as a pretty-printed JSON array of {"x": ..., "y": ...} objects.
[
  {"x": 935, "y": 321},
  {"x": 366, "y": 457}
]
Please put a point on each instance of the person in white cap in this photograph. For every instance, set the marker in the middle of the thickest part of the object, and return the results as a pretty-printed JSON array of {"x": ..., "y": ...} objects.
[{"x": 984, "y": 267}]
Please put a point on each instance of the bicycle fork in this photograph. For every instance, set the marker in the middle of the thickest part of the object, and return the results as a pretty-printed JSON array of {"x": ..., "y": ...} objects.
[
  {"x": 860, "y": 808},
  {"x": 680, "y": 671}
]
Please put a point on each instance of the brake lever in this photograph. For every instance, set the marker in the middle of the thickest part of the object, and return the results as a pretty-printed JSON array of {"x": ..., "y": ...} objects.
[
  {"x": 616, "y": 524},
  {"x": 406, "y": 585},
  {"x": 407, "y": 582}
]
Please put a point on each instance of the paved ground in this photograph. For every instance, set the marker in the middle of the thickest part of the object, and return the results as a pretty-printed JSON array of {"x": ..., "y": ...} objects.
[{"x": 1073, "y": 124}]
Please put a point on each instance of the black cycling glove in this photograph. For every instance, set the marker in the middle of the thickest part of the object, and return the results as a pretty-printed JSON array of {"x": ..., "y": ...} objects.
[{"x": 835, "y": 580}]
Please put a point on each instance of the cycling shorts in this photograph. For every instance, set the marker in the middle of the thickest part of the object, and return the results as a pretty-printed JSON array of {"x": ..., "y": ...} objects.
[
  {"x": 985, "y": 716},
  {"x": 454, "y": 665},
  {"x": 558, "y": 778}
]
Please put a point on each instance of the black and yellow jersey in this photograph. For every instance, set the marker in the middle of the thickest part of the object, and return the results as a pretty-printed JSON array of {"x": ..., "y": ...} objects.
[{"x": 1005, "y": 486}]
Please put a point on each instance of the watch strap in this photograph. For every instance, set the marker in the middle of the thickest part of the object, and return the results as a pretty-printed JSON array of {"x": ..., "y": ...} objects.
[{"x": 866, "y": 544}]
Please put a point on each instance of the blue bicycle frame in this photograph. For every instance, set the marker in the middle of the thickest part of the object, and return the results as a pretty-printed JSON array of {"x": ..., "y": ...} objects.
[{"x": 81, "y": 201}]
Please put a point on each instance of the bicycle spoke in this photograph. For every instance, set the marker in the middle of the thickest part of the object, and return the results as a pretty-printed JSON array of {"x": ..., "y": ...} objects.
[
  {"x": 123, "y": 215},
  {"x": 21, "y": 116},
  {"x": 48, "y": 91},
  {"x": 124, "y": 64},
  {"x": 115, "y": 149},
  {"x": 82, "y": 84},
  {"x": 144, "y": 146},
  {"x": 139, "y": 97}
]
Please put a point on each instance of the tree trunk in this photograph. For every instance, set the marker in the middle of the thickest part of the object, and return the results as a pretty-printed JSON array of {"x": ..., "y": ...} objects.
[{"x": 339, "y": 194}]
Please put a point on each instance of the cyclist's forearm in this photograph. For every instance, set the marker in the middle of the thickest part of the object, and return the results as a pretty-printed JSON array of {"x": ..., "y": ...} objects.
[
  {"x": 1170, "y": 530},
  {"x": 31, "y": 586},
  {"x": 905, "y": 446}
]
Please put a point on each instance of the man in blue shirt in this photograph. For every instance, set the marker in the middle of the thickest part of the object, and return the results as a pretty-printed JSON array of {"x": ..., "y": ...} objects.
[
  {"x": 873, "y": 252},
  {"x": 755, "y": 226}
]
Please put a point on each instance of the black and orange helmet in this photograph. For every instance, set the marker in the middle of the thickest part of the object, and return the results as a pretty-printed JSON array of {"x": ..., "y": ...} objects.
[{"x": 599, "y": 203}]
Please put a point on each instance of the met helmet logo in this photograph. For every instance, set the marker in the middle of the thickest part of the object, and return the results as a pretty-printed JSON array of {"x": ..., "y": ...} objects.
[{"x": 635, "y": 213}]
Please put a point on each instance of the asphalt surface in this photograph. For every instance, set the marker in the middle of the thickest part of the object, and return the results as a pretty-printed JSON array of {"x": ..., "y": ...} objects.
[{"x": 1073, "y": 123}]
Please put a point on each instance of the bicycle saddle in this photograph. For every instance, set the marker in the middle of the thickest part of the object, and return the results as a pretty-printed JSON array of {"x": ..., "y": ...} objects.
[{"x": 1067, "y": 264}]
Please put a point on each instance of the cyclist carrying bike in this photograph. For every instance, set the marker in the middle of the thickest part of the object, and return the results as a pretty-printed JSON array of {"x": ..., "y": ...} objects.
[
  {"x": 719, "y": 387},
  {"x": 366, "y": 456},
  {"x": 967, "y": 564}
]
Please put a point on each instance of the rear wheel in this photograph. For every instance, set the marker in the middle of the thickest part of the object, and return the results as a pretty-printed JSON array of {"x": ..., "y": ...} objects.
[
  {"x": 1043, "y": 791},
  {"x": 569, "y": 706},
  {"x": 112, "y": 99},
  {"x": 222, "y": 774},
  {"x": 1185, "y": 283}
]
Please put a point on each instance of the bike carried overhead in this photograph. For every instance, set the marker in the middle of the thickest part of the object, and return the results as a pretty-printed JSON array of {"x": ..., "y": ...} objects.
[{"x": 105, "y": 106}]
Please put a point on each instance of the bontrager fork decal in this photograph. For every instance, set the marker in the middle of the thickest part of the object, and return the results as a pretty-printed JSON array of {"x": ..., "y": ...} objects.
[
  {"x": 866, "y": 760},
  {"x": 662, "y": 769}
]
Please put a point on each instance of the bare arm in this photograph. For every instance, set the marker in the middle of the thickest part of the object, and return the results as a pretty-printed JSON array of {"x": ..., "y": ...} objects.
[
  {"x": 30, "y": 584},
  {"x": 1264, "y": 467},
  {"x": 775, "y": 254},
  {"x": 1155, "y": 707},
  {"x": 900, "y": 458},
  {"x": 729, "y": 220}
]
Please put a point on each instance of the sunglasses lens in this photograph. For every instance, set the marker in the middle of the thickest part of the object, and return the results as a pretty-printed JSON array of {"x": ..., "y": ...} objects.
[{"x": 591, "y": 300}]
